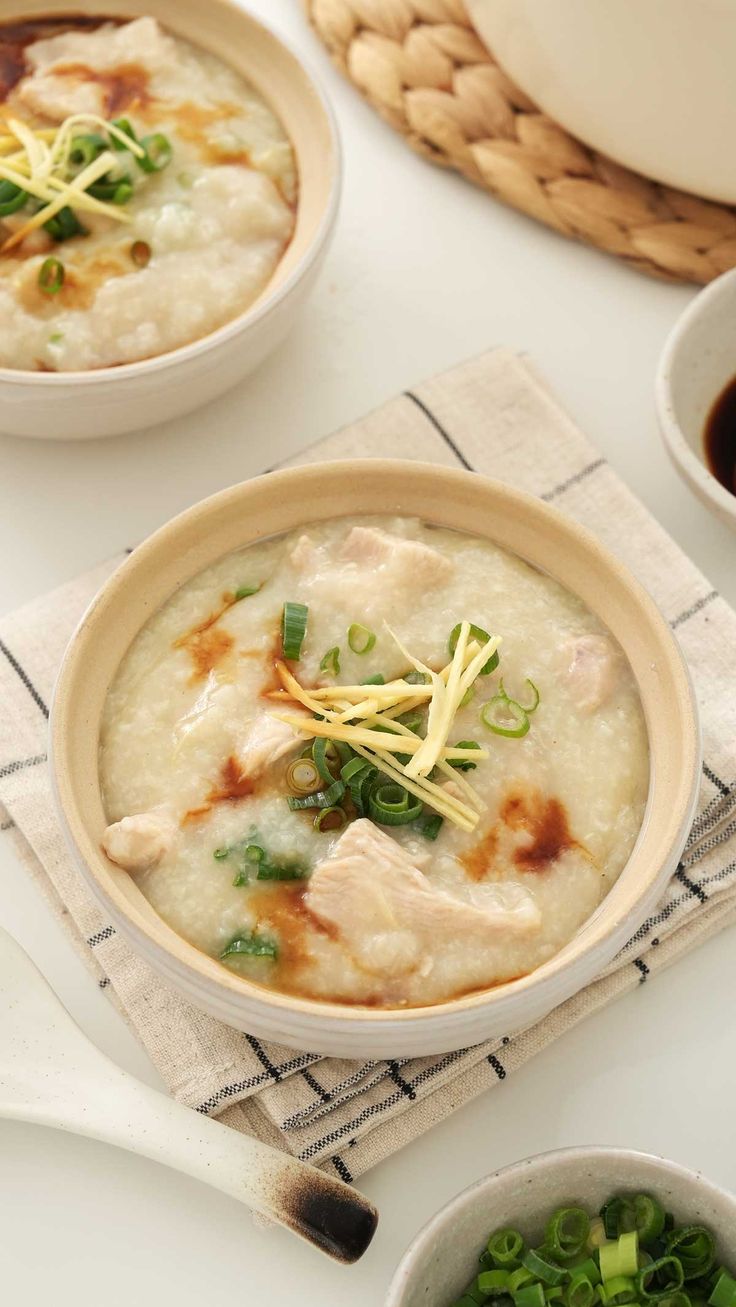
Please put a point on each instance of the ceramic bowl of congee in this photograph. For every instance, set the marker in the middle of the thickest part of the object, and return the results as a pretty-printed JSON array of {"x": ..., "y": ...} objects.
[
  {"x": 169, "y": 181},
  {"x": 375, "y": 758},
  {"x": 517, "y": 1206}
]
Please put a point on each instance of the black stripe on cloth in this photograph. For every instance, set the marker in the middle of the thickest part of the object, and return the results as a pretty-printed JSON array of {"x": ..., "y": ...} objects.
[
  {"x": 106, "y": 933},
  {"x": 643, "y": 968},
  {"x": 11, "y": 768},
  {"x": 103, "y": 984},
  {"x": 409, "y": 394},
  {"x": 316, "y": 1087},
  {"x": 263, "y": 1057},
  {"x": 574, "y": 480},
  {"x": 7, "y": 825},
  {"x": 341, "y": 1169},
  {"x": 696, "y": 890},
  {"x": 715, "y": 780},
  {"x": 25, "y": 678},
  {"x": 399, "y": 1080},
  {"x": 497, "y": 1067},
  {"x": 695, "y": 608},
  {"x": 253, "y": 1082}
]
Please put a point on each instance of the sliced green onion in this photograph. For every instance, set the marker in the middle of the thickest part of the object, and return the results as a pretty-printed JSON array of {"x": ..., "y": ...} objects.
[
  {"x": 555, "y": 1293},
  {"x": 377, "y": 679},
  {"x": 293, "y": 629},
  {"x": 476, "y": 633},
  {"x": 64, "y": 225},
  {"x": 392, "y": 805},
  {"x": 695, "y": 1248},
  {"x": 51, "y": 276},
  {"x": 243, "y": 591},
  {"x": 116, "y": 191},
  {"x": 621, "y": 1289},
  {"x": 587, "y": 1269},
  {"x": 469, "y": 694},
  {"x": 505, "y": 1246},
  {"x": 328, "y": 819},
  {"x": 331, "y": 661},
  {"x": 280, "y": 871},
  {"x": 158, "y": 154},
  {"x": 499, "y": 707},
  {"x": 541, "y": 1268},
  {"x": 660, "y": 1278},
  {"x": 329, "y": 757},
  {"x": 724, "y": 1291},
  {"x": 321, "y": 799},
  {"x": 567, "y": 1232},
  {"x": 463, "y": 764},
  {"x": 648, "y": 1218},
  {"x": 140, "y": 253},
  {"x": 219, "y": 854},
  {"x": 531, "y": 707},
  {"x": 124, "y": 126},
  {"x": 360, "y": 638},
  {"x": 518, "y": 1278},
  {"x": 580, "y": 1292},
  {"x": 412, "y": 721},
  {"x": 430, "y": 827},
  {"x": 85, "y": 149},
  {"x": 530, "y": 1295},
  {"x": 617, "y": 1214},
  {"x": 493, "y": 1284},
  {"x": 416, "y": 678},
  {"x": 12, "y": 198},
  {"x": 620, "y": 1258},
  {"x": 253, "y": 945},
  {"x": 303, "y": 776}
]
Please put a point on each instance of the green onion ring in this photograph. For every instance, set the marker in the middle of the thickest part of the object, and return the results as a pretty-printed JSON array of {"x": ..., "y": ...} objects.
[
  {"x": 159, "y": 152},
  {"x": 51, "y": 276},
  {"x": 329, "y": 819},
  {"x": 376, "y": 679},
  {"x": 360, "y": 638},
  {"x": 391, "y": 805},
  {"x": 253, "y": 945},
  {"x": 331, "y": 661},
  {"x": 649, "y": 1281},
  {"x": 430, "y": 828},
  {"x": 303, "y": 776},
  {"x": 695, "y": 1248},
  {"x": 85, "y": 149},
  {"x": 463, "y": 764},
  {"x": 321, "y": 799},
  {"x": 648, "y": 1218},
  {"x": 476, "y": 633},
  {"x": 501, "y": 702},
  {"x": 124, "y": 126},
  {"x": 12, "y": 198}
]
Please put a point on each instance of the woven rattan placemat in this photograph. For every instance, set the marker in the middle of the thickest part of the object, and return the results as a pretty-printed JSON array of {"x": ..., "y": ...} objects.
[{"x": 421, "y": 65}]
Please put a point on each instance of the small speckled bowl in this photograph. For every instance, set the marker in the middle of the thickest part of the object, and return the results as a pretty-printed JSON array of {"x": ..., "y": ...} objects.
[
  {"x": 697, "y": 363},
  {"x": 108, "y": 401},
  {"x": 466, "y": 502},
  {"x": 444, "y": 1256}
]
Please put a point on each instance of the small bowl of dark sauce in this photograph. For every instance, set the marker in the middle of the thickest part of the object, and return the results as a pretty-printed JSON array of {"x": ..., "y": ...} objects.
[{"x": 696, "y": 396}]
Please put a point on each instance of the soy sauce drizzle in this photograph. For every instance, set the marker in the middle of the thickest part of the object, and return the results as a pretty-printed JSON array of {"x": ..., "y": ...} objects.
[{"x": 719, "y": 438}]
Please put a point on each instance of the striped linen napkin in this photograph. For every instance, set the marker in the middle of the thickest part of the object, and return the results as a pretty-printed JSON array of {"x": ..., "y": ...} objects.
[{"x": 491, "y": 415}]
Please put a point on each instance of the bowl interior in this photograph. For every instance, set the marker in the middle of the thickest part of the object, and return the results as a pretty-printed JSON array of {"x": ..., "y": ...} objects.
[
  {"x": 444, "y": 1257},
  {"x": 280, "y": 501},
  {"x": 239, "y": 40}
]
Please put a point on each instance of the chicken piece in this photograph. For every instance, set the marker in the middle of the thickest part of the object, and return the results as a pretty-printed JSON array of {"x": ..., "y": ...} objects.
[
  {"x": 54, "y": 93},
  {"x": 591, "y": 670},
  {"x": 139, "y": 842},
  {"x": 305, "y": 554},
  {"x": 388, "y": 915},
  {"x": 267, "y": 740},
  {"x": 403, "y": 559}
]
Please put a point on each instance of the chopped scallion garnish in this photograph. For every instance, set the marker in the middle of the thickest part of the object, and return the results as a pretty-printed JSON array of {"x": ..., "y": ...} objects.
[
  {"x": 51, "y": 276},
  {"x": 158, "y": 152},
  {"x": 496, "y": 714},
  {"x": 360, "y": 638},
  {"x": 392, "y": 805},
  {"x": 303, "y": 776},
  {"x": 330, "y": 819},
  {"x": 476, "y": 633},
  {"x": 293, "y": 629},
  {"x": 253, "y": 945},
  {"x": 320, "y": 799},
  {"x": 331, "y": 661},
  {"x": 377, "y": 679},
  {"x": 465, "y": 765}
]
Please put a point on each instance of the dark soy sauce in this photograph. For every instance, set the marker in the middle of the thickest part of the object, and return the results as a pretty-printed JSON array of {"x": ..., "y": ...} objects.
[{"x": 720, "y": 438}]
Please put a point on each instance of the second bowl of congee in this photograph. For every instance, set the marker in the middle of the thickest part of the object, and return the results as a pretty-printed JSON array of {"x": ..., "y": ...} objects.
[{"x": 374, "y": 761}]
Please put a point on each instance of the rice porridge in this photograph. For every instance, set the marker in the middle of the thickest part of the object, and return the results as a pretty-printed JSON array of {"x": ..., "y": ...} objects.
[
  {"x": 147, "y": 193},
  {"x": 374, "y": 762}
]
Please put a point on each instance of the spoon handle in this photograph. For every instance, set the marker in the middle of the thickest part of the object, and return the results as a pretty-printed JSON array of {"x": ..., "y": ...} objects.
[{"x": 129, "y": 1114}]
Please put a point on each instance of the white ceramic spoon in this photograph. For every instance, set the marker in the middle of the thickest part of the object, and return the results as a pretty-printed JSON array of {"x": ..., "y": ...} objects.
[{"x": 52, "y": 1075}]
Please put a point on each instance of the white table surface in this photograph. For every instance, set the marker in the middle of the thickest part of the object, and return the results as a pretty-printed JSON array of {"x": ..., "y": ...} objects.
[{"x": 424, "y": 272}]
